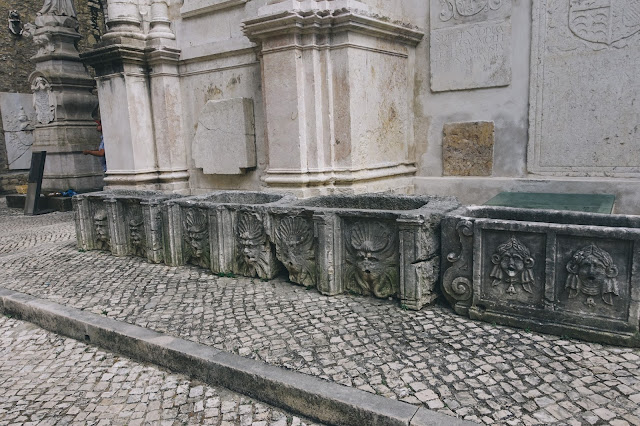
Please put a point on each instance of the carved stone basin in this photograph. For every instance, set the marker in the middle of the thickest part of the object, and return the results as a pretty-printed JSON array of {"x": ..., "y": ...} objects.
[
  {"x": 224, "y": 231},
  {"x": 380, "y": 245},
  {"x": 559, "y": 272},
  {"x": 124, "y": 222}
]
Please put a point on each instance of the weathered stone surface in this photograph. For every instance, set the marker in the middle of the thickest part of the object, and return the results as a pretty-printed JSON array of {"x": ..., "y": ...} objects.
[
  {"x": 470, "y": 44},
  {"x": 560, "y": 272},
  {"x": 584, "y": 117},
  {"x": 18, "y": 119},
  {"x": 225, "y": 140},
  {"x": 467, "y": 149},
  {"x": 380, "y": 245},
  {"x": 224, "y": 231}
]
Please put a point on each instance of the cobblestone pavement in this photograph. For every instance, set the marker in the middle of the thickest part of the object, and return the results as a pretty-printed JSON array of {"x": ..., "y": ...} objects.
[
  {"x": 473, "y": 370},
  {"x": 46, "y": 379}
]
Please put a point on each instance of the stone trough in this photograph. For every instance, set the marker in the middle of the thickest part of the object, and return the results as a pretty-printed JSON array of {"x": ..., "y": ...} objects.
[
  {"x": 380, "y": 245},
  {"x": 123, "y": 222},
  {"x": 224, "y": 231},
  {"x": 566, "y": 273}
]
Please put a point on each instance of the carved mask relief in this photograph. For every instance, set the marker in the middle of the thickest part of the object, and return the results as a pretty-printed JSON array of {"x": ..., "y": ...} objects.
[
  {"x": 196, "y": 238},
  {"x": 371, "y": 256},
  {"x": 513, "y": 267},
  {"x": 592, "y": 273},
  {"x": 295, "y": 249},
  {"x": 254, "y": 250},
  {"x": 101, "y": 227},
  {"x": 137, "y": 236}
]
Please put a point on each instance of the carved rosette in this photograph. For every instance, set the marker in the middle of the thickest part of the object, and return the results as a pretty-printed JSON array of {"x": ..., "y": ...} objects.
[
  {"x": 196, "y": 238},
  {"x": 592, "y": 275},
  {"x": 101, "y": 230},
  {"x": 254, "y": 254},
  {"x": 513, "y": 267},
  {"x": 457, "y": 281},
  {"x": 137, "y": 237},
  {"x": 295, "y": 248},
  {"x": 42, "y": 101},
  {"x": 371, "y": 256}
]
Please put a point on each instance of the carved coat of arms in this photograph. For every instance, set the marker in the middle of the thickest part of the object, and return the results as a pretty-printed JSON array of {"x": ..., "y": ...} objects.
[{"x": 604, "y": 21}]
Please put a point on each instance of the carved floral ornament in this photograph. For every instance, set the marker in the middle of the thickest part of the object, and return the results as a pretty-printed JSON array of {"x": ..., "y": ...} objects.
[
  {"x": 592, "y": 273},
  {"x": 513, "y": 266},
  {"x": 373, "y": 268},
  {"x": 465, "y": 8}
]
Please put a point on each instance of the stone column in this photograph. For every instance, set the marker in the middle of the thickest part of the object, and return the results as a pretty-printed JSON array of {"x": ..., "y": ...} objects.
[
  {"x": 338, "y": 96},
  {"x": 140, "y": 102},
  {"x": 64, "y": 102}
]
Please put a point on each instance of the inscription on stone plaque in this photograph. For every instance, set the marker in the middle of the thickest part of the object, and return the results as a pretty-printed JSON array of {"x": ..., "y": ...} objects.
[
  {"x": 584, "y": 88},
  {"x": 470, "y": 44}
]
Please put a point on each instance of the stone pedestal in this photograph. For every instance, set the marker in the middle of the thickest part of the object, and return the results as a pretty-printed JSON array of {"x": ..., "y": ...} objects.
[
  {"x": 338, "y": 89},
  {"x": 139, "y": 91},
  {"x": 64, "y": 102}
]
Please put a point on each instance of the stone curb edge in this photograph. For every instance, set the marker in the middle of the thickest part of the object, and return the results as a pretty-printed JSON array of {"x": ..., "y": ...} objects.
[{"x": 296, "y": 392}]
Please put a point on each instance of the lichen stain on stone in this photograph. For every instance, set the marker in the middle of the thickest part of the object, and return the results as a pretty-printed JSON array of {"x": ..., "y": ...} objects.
[{"x": 213, "y": 93}]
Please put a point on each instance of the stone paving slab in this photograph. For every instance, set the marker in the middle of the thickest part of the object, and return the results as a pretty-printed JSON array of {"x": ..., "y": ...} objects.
[
  {"x": 432, "y": 358},
  {"x": 47, "y": 379}
]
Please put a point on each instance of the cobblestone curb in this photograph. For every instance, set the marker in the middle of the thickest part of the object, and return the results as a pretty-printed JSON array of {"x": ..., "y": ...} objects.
[{"x": 326, "y": 402}]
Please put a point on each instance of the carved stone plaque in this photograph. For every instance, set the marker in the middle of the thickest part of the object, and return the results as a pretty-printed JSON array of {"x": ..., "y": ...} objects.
[
  {"x": 513, "y": 268},
  {"x": 584, "y": 88},
  {"x": 467, "y": 148},
  {"x": 470, "y": 44},
  {"x": 593, "y": 276},
  {"x": 18, "y": 120}
]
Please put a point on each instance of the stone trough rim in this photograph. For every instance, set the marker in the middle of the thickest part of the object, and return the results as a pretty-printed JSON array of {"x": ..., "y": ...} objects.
[{"x": 309, "y": 396}]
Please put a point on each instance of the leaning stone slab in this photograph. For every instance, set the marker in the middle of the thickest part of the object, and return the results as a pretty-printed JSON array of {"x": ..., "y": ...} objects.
[
  {"x": 224, "y": 231},
  {"x": 124, "y": 222},
  {"x": 380, "y": 245},
  {"x": 559, "y": 272}
]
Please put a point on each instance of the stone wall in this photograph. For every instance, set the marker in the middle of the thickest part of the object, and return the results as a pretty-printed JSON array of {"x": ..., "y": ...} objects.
[{"x": 16, "y": 51}]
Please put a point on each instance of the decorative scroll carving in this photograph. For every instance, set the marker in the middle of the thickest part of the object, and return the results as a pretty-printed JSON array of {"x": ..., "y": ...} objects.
[
  {"x": 592, "y": 273},
  {"x": 197, "y": 239},
  {"x": 137, "y": 236},
  {"x": 371, "y": 259},
  {"x": 255, "y": 256},
  {"x": 101, "y": 227},
  {"x": 457, "y": 279},
  {"x": 605, "y": 21},
  {"x": 295, "y": 249},
  {"x": 512, "y": 266},
  {"x": 45, "y": 108}
]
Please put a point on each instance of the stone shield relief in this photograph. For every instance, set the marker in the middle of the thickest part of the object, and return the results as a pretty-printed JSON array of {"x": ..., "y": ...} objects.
[
  {"x": 371, "y": 258},
  {"x": 295, "y": 248}
]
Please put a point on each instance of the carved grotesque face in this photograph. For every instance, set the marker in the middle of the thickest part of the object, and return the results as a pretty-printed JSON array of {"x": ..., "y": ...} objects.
[
  {"x": 196, "y": 233},
  {"x": 251, "y": 249},
  {"x": 135, "y": 232},
  {"x": 512, "y": 263},
  {"x": 369, "y": 267},
  {"x": 101, "y": 227},
  {"x": 592, "y": 270}
]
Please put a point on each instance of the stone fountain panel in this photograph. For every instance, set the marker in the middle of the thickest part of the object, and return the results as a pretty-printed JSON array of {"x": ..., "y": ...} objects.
[
  {"x": 94, "y": 221},
  {"x": 224, "y": 231},
  {"x": 375, "y": 244},
  {"x": 566, "y": 273}
]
